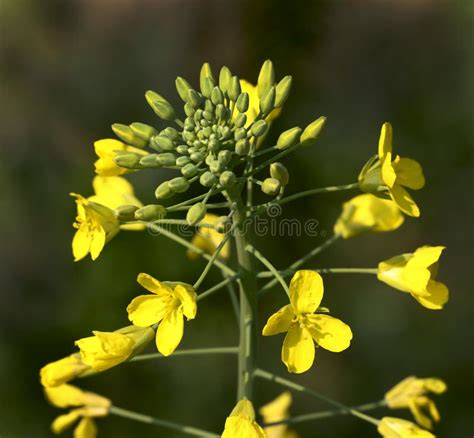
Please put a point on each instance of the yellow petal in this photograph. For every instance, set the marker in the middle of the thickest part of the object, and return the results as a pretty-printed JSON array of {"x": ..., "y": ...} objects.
[
  {"x": 298, "y": 350},
  {"x": 62, "y": 371},
  {"x": 275, "y": 411},
  {"x": 388, "y": 172},
  {"x": 438, "y": 296},
  {"x": 170, "y": 332},
  {"x": 390, "y": 427},
  {"x": 85, "y": 429},
  {"x": 65, "y": 396},
  {"x": 113, "y": 191},
  {"x": 426, "y": 256},
  {"x": 328, "y": 332},
  {"x": 391, "y": 272},
  {"x": 81, "y": 243},
  {"x": 97, "y": 243},
  {"x": 146, "y": 310},
  {"x": 279, "y": 322},
  {"x": 409, "y": 173},
  {"x": 306, "y": 291},
  {"x": 187, "y": 297},
  {"x": 404, "y": 201},
  {"x": 241, "y": 427},
  {"x": 385, "y": 140},
  {"x": 153, "y": 285},
  {"x": 63, "y": 422}
]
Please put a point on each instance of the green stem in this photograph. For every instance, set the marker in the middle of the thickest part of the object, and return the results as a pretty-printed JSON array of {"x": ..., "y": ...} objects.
[
  {"x": 208, "y": 206},
  {"x": 218, "y": 286},
  {"x": 325, "y": 414},
  {"x": 125, "y": 413},
  {"x": 190, "y": 352},
  {"x": 233, "y": 297},
  {"x": 300, "y": 388},
  {"x": 346, "y": 271},
  {"x": 195, "y": 199}
]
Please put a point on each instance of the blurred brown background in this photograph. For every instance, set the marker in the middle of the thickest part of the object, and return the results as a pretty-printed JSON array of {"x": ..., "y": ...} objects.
[{"x": 71, "y": 68}]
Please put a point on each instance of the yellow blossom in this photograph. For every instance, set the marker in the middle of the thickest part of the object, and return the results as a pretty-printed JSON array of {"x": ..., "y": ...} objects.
[
  {"x": 105, "y": 350},
  {"x": 63, "y": 370},
  {"x": 106, "y": 149},
  {"x": 304, "y": 327},
  {"x": 241, "y": 422},
  {"x": 390, "y": 427},
  {"x": 415, "y": 274},
  {"x": 383, "y": 175},
  {"x": 87, "y": 406},
  {"x": 95, "y": 221},
  {"x": 367, "y": 213},
  {"x": 411, "y": 393},
  {"x": 168, "y": 305},
  {"x": 254, "y": 104},
  {"x": 208, "y": 239},
  {"x": 275, "y": 411}
]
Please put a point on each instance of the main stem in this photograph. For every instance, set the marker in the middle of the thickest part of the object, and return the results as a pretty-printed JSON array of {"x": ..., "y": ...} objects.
[{"x": 248, "y": 303}]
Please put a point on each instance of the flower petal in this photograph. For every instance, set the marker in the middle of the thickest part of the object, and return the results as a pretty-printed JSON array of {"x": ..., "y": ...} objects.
[
  {"x": 86, "y": 429},
  {"x": 153, "y": 285},
  {"x": 404, "y": 201},
  {"x": 279, "y": 322},
  {"x": 81, "y": 243},
  {"x": 298, "y": 350},
  {"x": 63, "y": 422},
  {"x": 330, "y": 333},
  {"x": 306, "y": 291},
  {"x": 426, "y": 256},
  {"x": 385, "y": 140},
  {"x": 388, "y": 172},
  {"x": 438, "y": 296},
  {"x": 187, "y": 296},
  {"x": 170, "y": 332},
  {"x": 113, "y": 191},
  {"x": 409, "y": 173},
  {"x": 146, "y": 310},
  {"x": 98, "y": 242}
]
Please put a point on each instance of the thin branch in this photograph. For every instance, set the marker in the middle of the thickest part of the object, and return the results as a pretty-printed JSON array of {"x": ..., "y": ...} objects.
[
  {"x": 218, "y": 286},
  {"x": 190, "y": 352}
]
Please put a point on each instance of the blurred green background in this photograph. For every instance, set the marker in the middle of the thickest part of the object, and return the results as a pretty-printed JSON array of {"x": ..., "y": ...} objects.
[{"x": 69, "y": 69}]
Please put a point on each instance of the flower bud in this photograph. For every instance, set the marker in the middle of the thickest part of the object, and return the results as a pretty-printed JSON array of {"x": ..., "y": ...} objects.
[
  {"x": 208, "y": 179},
  {"x": 283, "y": 91},
  {"x": 166, "y": 159},
  {"x": 240, "y": 120},
  {"x": 312, "y": 131},
  {"x": 196, "y": 213},
  {"x": 125, "y": 213},
  {"x": 126, "y": 134},
  {"x": 128, "y": 160},
  {"x": 141, "y": 336},
  {"x": 242, "y": 103},
  {"x": 240, "y": 133},
  {"x": 224, "y": 157},
  {"x": 271, "y": 186},
  {"x": 279, "y": 172},
  {"x": 189, "y": 110},
  {"x": 215, "y": 166},
  {"x": 182, "y": 149},
  {"x": 267, "y": 102},
  {"x": 242, "y": 147},
  {"x": 225, "y": 78},
  {"x": 143, "y": 130},
  {"x": 171, "y": 133},
  {"x": 227, "y": 179},
  {"x": 259, "y": 128},
  {"x": 196, "y": 157},
  {"x": 182, "y": 86},
  {"x": 162, "y": 142},
  {"x": 160, "y": 106},
  {"x": 234, "y": 89},
  {"x": 266, "y": 78},
  {"x": 205, "y": 79},
  {"x": 150, "y": 213},
  {"x": 179, "y": 184},
  {"x": 164, "y": 191},
  {"x": 216, "y": 96},
  {"x": 150, "y": 161},
  {"x": 207, "y": 86},
  {"x": 189, "y": 170},
  {"x": 194, "y": 98},
  {"x": 288, "y": 138},
  {"x": 182, "y": 161}
]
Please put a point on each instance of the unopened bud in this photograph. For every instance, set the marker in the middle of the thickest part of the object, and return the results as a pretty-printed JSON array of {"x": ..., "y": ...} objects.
[
  {"x": 271, "y": 186},
  {"x": 240, "y": 133},
  {"x": 194, "y": 98},
  {"x": 242, "y": 103},
  {"x": 160, "y": 142},
  {"x": 164, "y": 191},
  {"x": 259, "y": 128},
  {"x": 234, "y": 89},
  {"x": 267, "y": 102},
  {"x": 288, "y": 138},
  {"x": 127, "y": 160},
  {"x": 227, "y": 179},
  {"x": 160, "y": 106},
  {"x": 150, "y": 161},
  {"x": 196, "y": 213},
  {"x": 279, "y": 172},
  {"x": 126, "y": 134},
  {"x": 182, "y": 149},
  {"x": 189, "y": 170},
  {"x": 182, "y": 86},
  {"x": 179, "y": 184},
  {"x": 225, "y": 78},
  {"x": 240, "y": 120},
  {"x": 216, "y": 96},
  {"x": 224, "y": 157},
  {"x": 189, "y": 110},
  {"x": 208, "y": 179},
  {"x": 215, "y": 166},
  {"x": 283, "y": 91},
  {"x": 312, "y": 131},
  {"x": 166, "y": 159},
  {"x": 196, "y": 157},
  {"x": 171, "y": 133},
  {"x": 242, "y": 147},
  {"x": 205, "y": 79},
  {"x": 150, "y": 212},
  {"x": 125, "y": 213},
  {"x": 143, "y": 130},
  {"x": 266, "y": 78}
]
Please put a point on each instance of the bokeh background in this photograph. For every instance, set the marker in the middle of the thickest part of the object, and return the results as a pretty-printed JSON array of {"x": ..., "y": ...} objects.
[{"x": 69, "y": 69}]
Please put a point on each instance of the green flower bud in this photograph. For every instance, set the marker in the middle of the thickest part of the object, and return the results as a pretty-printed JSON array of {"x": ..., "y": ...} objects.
[
  {"x": 160, "y": 106},
  {"x": 126, "y": 134},
  {"x": 198, "y": 115},
  {"x": 194, "y": 98},
  {"x": 150, "y": 213},
  {"x": 179, "y": 184},
  {"x": 189, "y": 110},
  {"x": 189, "y": 170},
  {"x": 164, "y": 191},
  {"x": 216, "y": 96},
  {"x": 205, "y": 77},
  {"x": 223, "y": 224},
  {"x": 312, "y": 131},
  {"x": 234, "y": 89},
  {"x": 209, "y": 159},
  {"x": 125, "y": 213},
  {"x": 128, "y": 160},
  {"x": 182, "y": 161},
  {"x": 242, "y": 147},
  {"x": 150, "y": 161},
  {"x": 166, "y": 159},
  {"x": 266, "y": 78},
  {"x": 267, "y": 103},
  {"x": 182, "y": 86},
  {"x": 225, "y": 78},
  {"x": 207, "y": 86},
  {"x": 162, "y": 142},
  {"x": 213, "y": 145},
  {"x": 189, "y": 136},
  {"x": 221, "y": 111},
  {"x": 242, "y": 103},
  {"x": 227, "y": 179},
  {"x": 283, "y": 91},
  {"x": 259, "y": 128},
  {"x": 224, "y": 157},
  {"x": 215, "y": 166},
  {"x": 279, "y": 172},
  {"x": 171, "y": 133},
  {"x": 288, "y": 138},
  {"x": 208, "y": 179},
  {"x": 143, "y": 130},
  {"x": 271, "y": 186},
  {"x": 196, "y": 157},
  {"x": 182, "y": 149},
  {"x": 208, "y": 115},
  {"x": 196, "y": 213},
  {"x": 240, "y": 133},
  {"x": 240, "y": 120}
]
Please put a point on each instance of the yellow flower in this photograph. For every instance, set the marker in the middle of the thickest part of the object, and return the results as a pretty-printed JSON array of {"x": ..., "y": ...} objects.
[
  {"x": 392, "y": 176},
  {"x": 275, "y": 411},
  {"x": 411, "y": 393},
  {"x": 415, "y": 274},
  {"x": 95, "y": 221},
  {"x": 254, "y": 104},
  {"x": 208, "y": 239},
  {"x": 105, "y": 350},
  {"x": 304, "y": 326},
  {"x": 367, "y": 213},
  {"x": 167, "y": 307},
  {"x": 390, "y": 427},
  {"x": 63, "y": 370},
  {"x": 87, "y": 406},
  {"x": 106, "y": 149},
  {"x": 241, "y": 422}
]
